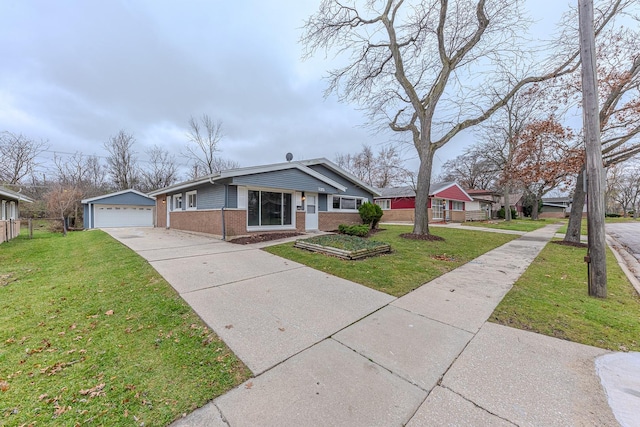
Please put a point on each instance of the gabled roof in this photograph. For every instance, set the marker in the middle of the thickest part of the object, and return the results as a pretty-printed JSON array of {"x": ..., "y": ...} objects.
[
  {"x": 302, "y": 166},
  {"x": 13, "y": 195},
  {"x": 410, "y": 192},
  {"x": 117, "y": 193}
]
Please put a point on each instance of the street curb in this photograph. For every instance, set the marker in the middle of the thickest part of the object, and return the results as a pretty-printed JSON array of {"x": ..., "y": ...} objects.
[{"x": 627, "y": 262}]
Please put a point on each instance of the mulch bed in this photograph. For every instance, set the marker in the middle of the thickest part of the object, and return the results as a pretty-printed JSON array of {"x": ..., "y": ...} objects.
[
  {"x": 257, "y": 238},
  {"x": 574, "y": 244},
  {"x": 429, "y": 237}
]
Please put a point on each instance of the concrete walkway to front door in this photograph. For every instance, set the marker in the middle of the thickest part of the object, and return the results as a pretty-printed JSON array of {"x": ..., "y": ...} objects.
[{"x": 326, "y": 351}]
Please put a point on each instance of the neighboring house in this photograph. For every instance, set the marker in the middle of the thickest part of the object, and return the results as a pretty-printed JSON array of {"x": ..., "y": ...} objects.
[
  {"x": 483, "y": 205},
  {"x": 10, "y": 213},
  {"x": 555, "y": 207},
  {"x": 127, "y": 208},
  {"x": 516, "y": 202},
  {"x": 447, "y": 202},
  {"x": 303, "y": 195}
]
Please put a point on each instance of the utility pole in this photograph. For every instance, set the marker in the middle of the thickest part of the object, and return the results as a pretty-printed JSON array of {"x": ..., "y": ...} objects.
[{"x": 597, "y": 257}]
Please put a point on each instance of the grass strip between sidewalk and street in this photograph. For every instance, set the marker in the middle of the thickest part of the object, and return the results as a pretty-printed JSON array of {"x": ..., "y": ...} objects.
[
  {"x": 525, "y": 225},
  {"x": 91, "y": 334},
  {"x": 411, "y": 262},
  {"x": 551, "y": 298}
]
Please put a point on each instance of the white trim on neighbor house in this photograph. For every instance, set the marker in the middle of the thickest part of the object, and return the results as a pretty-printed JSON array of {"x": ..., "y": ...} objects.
[
  {"x": 192, "y": 200},
  {"x": 385, "y": 204}
]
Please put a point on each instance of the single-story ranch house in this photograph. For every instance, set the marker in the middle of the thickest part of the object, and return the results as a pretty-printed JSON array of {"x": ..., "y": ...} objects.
[
  {"x": 303, "y": 195},
  {"x": 10, "y": 213},
  {"x": 446, "y": 203}
]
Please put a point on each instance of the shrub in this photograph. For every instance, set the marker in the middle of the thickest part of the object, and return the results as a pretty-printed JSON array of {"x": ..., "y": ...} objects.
[
  {"x": 354, "y": 230},
  {"x": 514, "y": 214},
  {"x": 370, "y": 213},
  {"x": 613, "y": 215}
]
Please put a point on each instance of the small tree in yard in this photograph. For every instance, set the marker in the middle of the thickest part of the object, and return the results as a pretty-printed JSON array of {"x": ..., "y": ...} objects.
[
  {"x": 370, "y": 214},
  {"x": 60, "y": 203}
]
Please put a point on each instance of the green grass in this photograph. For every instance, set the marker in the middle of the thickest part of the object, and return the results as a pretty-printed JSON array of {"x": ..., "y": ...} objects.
[
  {"x": 91, "y": 335},
  {"x": 551, "y": 298},
  {"x": 342, "y": 241},
  {"x": 411, "y": 263},
  {"x": 525, "y": 225},
  {"x": 583, "y": 224}
]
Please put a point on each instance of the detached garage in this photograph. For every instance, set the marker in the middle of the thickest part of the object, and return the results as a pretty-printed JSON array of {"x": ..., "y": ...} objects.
[{"x": 127, "y": 208}]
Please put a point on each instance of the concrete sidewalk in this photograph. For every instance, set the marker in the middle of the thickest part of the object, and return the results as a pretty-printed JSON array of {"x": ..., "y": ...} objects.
[{"x": 326, "y": 351}]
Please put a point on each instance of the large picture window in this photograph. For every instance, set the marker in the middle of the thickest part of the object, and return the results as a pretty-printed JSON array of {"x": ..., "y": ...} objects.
[{"x": 268, "y": 208}]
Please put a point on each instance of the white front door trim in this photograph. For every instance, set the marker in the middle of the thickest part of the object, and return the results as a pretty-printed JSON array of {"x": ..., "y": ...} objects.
[{"x": 311, "y": 209}]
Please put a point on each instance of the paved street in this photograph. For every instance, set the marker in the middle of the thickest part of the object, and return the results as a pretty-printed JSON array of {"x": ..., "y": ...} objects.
[{"x": 628, "y": 234}]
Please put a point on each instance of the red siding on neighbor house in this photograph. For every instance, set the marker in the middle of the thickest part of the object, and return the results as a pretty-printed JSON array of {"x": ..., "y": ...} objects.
[
  {"x": 453, "y": 193},
  {"x": 403, "y": 203}
]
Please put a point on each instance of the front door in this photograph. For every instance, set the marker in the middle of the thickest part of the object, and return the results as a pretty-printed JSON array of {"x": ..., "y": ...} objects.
[{"x": 311, "y": 217}]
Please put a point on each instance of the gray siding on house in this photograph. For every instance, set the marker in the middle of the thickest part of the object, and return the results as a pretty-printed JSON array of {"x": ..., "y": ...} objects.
[
  {"x": 288, "y": 179},
  {"x": 322, "y": 203},
  {"x": 85, "y": 216},
  {"x": 209, "y": 196},
  {"x": 352, "y": 188},
  {"x": 125, "y": 199}
]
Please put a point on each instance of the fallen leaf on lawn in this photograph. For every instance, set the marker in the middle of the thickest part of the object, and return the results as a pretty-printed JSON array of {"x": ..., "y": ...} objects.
[
  {"x": 72, "y": 326},
  {"x": 4, "y": 386},
  {"x": 94, "y": 391},
  {"x": 10, "y": 340},
  {"x": 109, "y": 313},
  {"x": 61, "y": 410},
  {"x": 248, "y": 385},
  {"x": 43, "y": 396}
]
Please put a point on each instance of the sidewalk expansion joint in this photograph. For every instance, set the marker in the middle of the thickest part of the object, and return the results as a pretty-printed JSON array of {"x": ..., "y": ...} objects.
[
  {"x": 242, "y": 280},
  {"x": 201, "y": 255},
  {"x": 480, "y": 407}
]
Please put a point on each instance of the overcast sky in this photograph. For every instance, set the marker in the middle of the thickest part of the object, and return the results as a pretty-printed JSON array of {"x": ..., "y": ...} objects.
[{"x": 75, "y": 72}]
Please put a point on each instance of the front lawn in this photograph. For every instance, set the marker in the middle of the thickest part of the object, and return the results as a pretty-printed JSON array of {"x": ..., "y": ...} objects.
[
  {"x": 412, "y": 262},
  {"x": 90, "y": 334},
  {"x": 551, "y": 298},
  {"x": 525, "y": 225}
]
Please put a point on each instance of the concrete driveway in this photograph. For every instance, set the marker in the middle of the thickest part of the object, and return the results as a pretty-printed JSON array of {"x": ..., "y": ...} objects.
[
  {"x": 326, "y": 351},
  {"x": 264, "y": 307}
]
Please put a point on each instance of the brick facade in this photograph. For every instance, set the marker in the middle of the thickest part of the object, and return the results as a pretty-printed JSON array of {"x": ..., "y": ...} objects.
[
  {"x": 301, "y": 221},
  {"x": 401, "y": 215},
  {"x": 329, "y": 221}
]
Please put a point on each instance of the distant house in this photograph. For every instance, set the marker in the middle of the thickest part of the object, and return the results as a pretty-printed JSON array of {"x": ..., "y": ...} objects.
[
  {"x": 10, "y": 213},
  {"x": 127, "y": 208},
  {"x": 484, "y": 206},
  {"x": 303, "y": 195},
  {"x": 447, "y": 202},
  {"x": 556, "y": 207},
  {"x": 516, "y": 201}
]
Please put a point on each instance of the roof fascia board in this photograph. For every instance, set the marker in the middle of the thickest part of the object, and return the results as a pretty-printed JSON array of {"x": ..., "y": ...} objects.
[{"x": 117, "y": 193}]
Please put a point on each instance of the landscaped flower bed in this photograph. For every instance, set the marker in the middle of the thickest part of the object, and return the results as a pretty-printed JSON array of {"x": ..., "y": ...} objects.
[{"x": 343, "y": 246}]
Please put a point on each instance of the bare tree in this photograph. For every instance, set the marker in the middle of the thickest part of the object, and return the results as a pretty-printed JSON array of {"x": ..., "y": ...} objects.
[
  {"x": 122, "y": 162},
  {"x": 204, "y": 137},
  {"x": 19, "y": 155},
  {"x": 415, "y": 66},
  {"x": 61, "y": 201},
  {"x": 471, "y": 169},
  {"x": 161, "y": 172},
  {"x": 384, "y": 169}
]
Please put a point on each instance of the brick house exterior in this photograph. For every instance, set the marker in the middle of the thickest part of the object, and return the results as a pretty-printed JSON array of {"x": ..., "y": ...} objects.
[
  {"x": 298, "y": 196},
  {"x": 447, "y": 203}
]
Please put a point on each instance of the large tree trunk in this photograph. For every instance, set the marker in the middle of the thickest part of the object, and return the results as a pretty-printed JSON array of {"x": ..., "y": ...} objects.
[
  {"x": 534, "y": 208},
  {"x": 507, "y": 202},
  {"x": 577, "y": 205},
  {"x": 421, "y": 221}
]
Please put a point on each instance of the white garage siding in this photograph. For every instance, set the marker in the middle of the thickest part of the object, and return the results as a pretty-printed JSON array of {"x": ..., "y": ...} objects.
[{"x": 122, "y": 216}]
